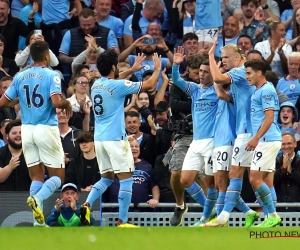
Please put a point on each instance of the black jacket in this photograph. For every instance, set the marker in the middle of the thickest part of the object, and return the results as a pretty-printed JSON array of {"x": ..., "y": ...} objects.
[
  {"x": 11, "y": 32},
  {"x": 148, "y": 148},
  {"x": 19, "y": 179},
  {"x": 76, "y": 173},
  {"x": 287, "y": 185}
]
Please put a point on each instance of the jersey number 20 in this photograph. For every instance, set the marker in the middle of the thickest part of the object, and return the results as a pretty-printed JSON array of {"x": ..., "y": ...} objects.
[{"x": 36, "y": 99}]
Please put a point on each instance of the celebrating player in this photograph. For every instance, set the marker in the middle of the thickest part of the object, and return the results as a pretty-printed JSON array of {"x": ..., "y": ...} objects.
[
  {"x": 233, "y": 61},
  {"x": 111, "y": 145},
  {"x": 39, "y": 93},
  {"x": 266, "y": 140},
  {"x": 199, "y": 155}
]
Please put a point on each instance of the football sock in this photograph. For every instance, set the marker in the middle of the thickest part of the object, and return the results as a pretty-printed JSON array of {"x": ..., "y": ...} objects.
[
  {"x": 266, "y": 213},
  {"x": 48, "y": 188},
  {"x": 197, "y": 193},
  {"x": 210, "y": 202},
  {"x": 274, "y": 196},
  {"x": 98, "y": 189},
  {"x": 124, "y": 198},
  {"x": 220, "y": 202},
  {"x": 241, "y": 205},
  {"x": 266, "y": 197}
]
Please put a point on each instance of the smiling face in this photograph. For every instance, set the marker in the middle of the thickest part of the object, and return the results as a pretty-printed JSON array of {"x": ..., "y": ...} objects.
[
  {"x": 14, "y": 138},
  {"x": 103, "y": 8},
  {"x": 288, "y": 145},
  {"x": 132, "y": 125},
  {"x": 286, "y": 116},
  {"x": 135, "y": 149},
  {"x": 144, "y": 99},
  {"x": 4, "y": 11}
]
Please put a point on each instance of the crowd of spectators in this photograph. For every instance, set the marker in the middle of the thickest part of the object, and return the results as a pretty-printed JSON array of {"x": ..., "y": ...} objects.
[{"x": 79, "y": 31}]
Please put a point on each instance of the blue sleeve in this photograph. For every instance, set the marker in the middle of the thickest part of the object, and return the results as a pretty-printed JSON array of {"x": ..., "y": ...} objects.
[
  {"x": 268, "y": 99},
  {"x": 126, "y": 87},
  {"x": 55, "y": 86},
  {"x": 120, "y": 28},
  {"x": 284, "y": 15},
  {"x": 128, "y": 26},
  {"x": 164, "y": 63},
  {"x": 187, "y": 87},
  {"x": 131, "y": 60},
  {"x": 53, "y": 217},
  {"x": 37, "y": 18},
  {"x": 112, "y": 40},
  {"x": 237, "y": 75},
  {"x": 12, "y": 92},
  {"x": 65, "y": 44}
]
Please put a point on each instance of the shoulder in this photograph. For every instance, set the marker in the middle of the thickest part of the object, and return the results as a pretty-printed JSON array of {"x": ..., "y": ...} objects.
[
  {"x": 3, "y": 150},
  {"x": 129, "y": 19},
  {"x": 145, "y": 164}
]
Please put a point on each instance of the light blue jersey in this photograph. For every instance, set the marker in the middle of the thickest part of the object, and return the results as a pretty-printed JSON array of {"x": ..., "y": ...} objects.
[
  {"x": 115, "y": 24},
  {"x": 204, "y": 105},
  {"x": 108, "y": 96},
  {"x": 143, "y": 23},
  {"x": 65, "y": 46},
  {"x": 148, "y": 65},
  {"x": 241, "y": 93},
  {"x": 23, "y": 15},
  {"x": 265, "y": 98},
  {"x": 289, "y": 87},
  {"x": 34, "y": 88},
  {"x": 208, "y": 14},
  {"x": 59, "y": 7},
  {"x": 219, "y": 46},
  {"x": 225, "y": 124}
]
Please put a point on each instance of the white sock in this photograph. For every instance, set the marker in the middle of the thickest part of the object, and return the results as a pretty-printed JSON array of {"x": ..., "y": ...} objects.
[
  {"x": 266, "y": 217},
  {"x": 273, "y": 215},
  {"x": 223, "y": 216},
  {"x": 250, "y": 212},
  {"x": 180, "y": 206}
]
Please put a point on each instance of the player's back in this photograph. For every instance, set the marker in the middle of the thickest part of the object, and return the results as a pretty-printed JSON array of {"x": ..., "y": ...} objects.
[
  {"x": 108, "y": 96},
  {"x": 34, "y": 87},
  {"x": 225, "y": 124},
  {"x": 242, "y": 92}
]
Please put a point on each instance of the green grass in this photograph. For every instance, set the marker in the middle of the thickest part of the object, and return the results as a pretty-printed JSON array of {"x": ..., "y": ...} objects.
[{"x": 147, "y": 238}]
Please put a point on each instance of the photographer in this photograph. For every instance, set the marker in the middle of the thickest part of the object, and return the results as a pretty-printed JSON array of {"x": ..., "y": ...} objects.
[{"x": 180, "y": 121}]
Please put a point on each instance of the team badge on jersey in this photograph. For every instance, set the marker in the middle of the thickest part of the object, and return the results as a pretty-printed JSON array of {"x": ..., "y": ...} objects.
[{"x": 128, "y": 83}]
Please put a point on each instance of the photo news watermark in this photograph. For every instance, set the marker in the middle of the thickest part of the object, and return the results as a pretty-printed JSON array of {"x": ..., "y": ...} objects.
[{"x": 261, "y": 234}]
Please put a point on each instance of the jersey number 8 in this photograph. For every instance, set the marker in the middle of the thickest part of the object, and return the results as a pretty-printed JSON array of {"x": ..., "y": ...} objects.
[{"x": 98, "y": 100}]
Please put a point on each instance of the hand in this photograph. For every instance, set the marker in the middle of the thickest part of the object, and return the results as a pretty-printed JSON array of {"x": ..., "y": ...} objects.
[
  {"x": 87, "y": 189},
  {"x": 14, "y": 162},
  {"x": 151, "y": 123},
  {"x": 133, "y": 100},
  {"x": 161, "y": 43},
  {"x": 67, "y": 160},
  {"x": 211, "y": 52},
  {"x": 178, "y": 55},
  {"x": 69, "y": 111},
  {"x": 272, "y": 47},
  {"x": 95, "y": 74},
  {"x": 73, "y": 12},
  {"x": 252, "y": 144},
  {"x": 286, "y": 161},
  {"x": 263, "y": 3},
  {"x": 259, "y": 32},
  {"x": 156, "y": 62},
  {"x": 73, "y": 203},
  {"x": 281, "y": 44},
  {"x": 164, "y": 76},
  {"x": 39, "y": 38},
  {"x": 139, "y": 42},
  {"x": 58, "y": 204},
  {"x": 138, "y": 62},
  {"x": 35, "y": 7},
  {"x": 152, "y": 203},
  {"x": 130, "y": 138},
  {"x": 241, "y": 24},
  {"x": 92, "y": 41},
  {"x": 85, "y": 107}
]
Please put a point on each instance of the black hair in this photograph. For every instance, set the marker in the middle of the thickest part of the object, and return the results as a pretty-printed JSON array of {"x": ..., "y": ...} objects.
[
  {"x": 38, "y": 51},
  {"x": 256, "y": 65},
  {"x": 85, "y": 137},
  {"x": 10, "y": 125},
  {"x": 106, "y": 60}
]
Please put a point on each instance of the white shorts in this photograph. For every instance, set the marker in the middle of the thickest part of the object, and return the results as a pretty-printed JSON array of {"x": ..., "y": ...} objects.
[
  {"x": 42, "y": 144},
  {"x": 222, "y": 158},
  {"x": 241, "y": 157},
  {"x": 114, "y": 156},
  {"x": 207, "y": 35},
  {"x": 199, "y": 156},
  {"x": 264, "y": 157}
]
